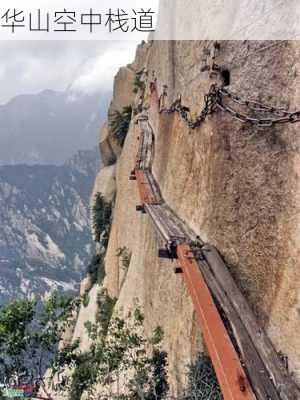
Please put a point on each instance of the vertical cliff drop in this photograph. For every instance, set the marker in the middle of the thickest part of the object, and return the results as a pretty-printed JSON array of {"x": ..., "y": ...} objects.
[{"x": 235, "y": 184}]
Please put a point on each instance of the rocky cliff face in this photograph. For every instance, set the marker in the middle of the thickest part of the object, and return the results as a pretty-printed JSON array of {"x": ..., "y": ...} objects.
[{"x": 235, "y": 184}]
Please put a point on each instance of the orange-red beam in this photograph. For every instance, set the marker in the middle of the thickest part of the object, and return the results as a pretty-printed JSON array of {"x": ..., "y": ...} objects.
[
  {"x": 231, "y": 376},
  {"x": 146, "y": 193}
]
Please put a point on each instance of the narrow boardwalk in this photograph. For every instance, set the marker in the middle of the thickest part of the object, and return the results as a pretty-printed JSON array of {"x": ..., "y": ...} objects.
[{"x": 245, "y": 361}]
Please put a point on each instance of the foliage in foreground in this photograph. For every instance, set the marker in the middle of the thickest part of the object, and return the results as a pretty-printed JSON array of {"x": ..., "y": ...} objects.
[
  {"x": 119, "y": 124},
  {"x": 126, "y": 364},
  {"x": 30, "y": 333}
]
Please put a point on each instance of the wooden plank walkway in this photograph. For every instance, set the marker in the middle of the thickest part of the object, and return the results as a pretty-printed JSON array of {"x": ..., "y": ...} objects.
[
  {"x": 231, "y": 376},
  {"x": 276, "y": 370}
]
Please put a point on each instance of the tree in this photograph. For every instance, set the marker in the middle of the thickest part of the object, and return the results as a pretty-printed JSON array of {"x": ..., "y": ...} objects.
[
  {"x": 101, "y": 219},
  {"x": 138, "y": 84},
  {"x": 120, "y": 121},
  {"x": 101, "y": 212},
  {"x": 126, "y": 364},
  {"x": 30, "y": 333},
  {"x": 96, "y": 269}
]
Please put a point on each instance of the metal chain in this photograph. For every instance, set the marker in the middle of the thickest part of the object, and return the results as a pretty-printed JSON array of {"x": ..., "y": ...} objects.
[
  {"x": 210, "y": 105},
  {"x": 276, "y": 115},
  {"x": 254, "y": 105},
  {"x": 214, "y": 101}
]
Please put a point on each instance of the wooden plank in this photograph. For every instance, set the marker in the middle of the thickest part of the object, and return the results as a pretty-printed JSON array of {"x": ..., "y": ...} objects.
[
  {"x": 148, "y": 144},
  {"x": 174, "y": 232},
  {"x": 175, "y": 229},
  {"x": 149, "y": 154},
  {"x": 257, "y": 373},
  {"x": 148, "y": 160},
  {"x": 142, "y": 158},
  {"x": 145, "y": 191},
  {"x": 285, "y": 386},
  {"x": 140, "y": 151},
  {"x": 231, "y": 376},
  {"x": 148, "y": 151},
  {"x": 161, "y": 216},
  {"x": 154, "y": 187},
  {"x": 185, "y": 231},
  {"x": 144, "y": 153},
  {"x": 152, "y": 211}
]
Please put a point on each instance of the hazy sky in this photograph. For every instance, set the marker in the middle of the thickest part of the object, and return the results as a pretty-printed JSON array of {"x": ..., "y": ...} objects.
[{"x": 32, "y": 66}]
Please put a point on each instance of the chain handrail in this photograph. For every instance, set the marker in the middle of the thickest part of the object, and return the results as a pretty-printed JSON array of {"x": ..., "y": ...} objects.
[{"x": 215, "y": 100}]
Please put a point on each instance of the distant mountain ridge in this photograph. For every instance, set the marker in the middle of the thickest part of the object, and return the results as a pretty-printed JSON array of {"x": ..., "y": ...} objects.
[
  {"x": 45, "y": 240},
  {"x": 49, "y": 127}
]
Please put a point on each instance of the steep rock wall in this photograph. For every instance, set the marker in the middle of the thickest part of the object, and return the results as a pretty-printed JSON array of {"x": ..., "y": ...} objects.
[
  {"x": 237, "y": 185},
  {"x": 234, "y": 184}
]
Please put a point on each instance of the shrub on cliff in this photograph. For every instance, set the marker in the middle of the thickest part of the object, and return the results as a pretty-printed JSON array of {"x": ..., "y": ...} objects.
[
  {"x": 30, "y": 334},
  {"x": 96, "y": 269},
  {"x": 101, "y": 222},
  {"x": 202, "y": 381},
  {"x": 105, "y": 309},
  {"x": 119, "y": 124},
  {"x": 124, "y": 255},
  {"x": 122, "y": 360},
  {"x": 83, "y": 375},
  {"x": 101, "y": 219},
  {"x": 138, "y": 84}
]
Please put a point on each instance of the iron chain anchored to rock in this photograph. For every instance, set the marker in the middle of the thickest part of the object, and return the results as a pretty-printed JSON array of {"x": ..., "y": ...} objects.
[{"x": 256, "y": 113}]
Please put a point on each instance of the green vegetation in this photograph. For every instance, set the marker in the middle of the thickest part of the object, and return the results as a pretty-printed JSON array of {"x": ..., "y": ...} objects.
[
  {"x": 85, "y": 299},
  {"x": 122, "y": 360},
  {"x": 65, "y": 360},
  {"x": 84, "y": 374},
  {"x": 96, "y": 269},
  {"x": 124, "y": 255},
  {"x": 101, "y": 219},
  {"x": 101, "y": 222},
  {"x": 120, "y": 122},
  {"x": 106, "y": 307},
  {"x": 30, "y": 333},
  {"x": 138, "y": 84},
  {"x": 202, "y": 381},
  {"x": 127, "y": 365}
]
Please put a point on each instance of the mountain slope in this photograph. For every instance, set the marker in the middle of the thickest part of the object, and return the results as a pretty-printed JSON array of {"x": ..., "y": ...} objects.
[{"x": 45, "y": 237}]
